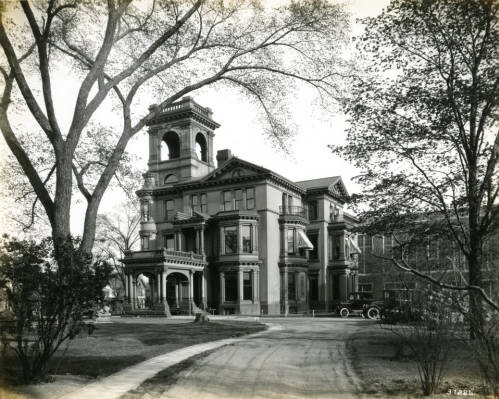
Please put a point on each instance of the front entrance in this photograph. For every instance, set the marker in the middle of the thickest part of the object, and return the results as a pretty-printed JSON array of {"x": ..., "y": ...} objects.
[{"x": 177, "y": 293}]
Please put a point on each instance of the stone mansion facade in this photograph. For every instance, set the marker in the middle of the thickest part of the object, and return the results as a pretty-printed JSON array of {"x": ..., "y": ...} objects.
[{"x": 233, "y": 237}]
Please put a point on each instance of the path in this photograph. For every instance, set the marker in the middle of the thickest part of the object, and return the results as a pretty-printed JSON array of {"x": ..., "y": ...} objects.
[{"x": 306, "y": 358}]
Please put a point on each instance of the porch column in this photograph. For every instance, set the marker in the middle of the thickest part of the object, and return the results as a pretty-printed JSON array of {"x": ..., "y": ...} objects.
[
  {"x": 222, "y": 288},
  {"x": 240, "y": 285},
  {"x": 254, "y": 276},
  {"x": 203, "y": 290},
  {"x": 158, "y": 285},
  {"x": 177, "y": 292},
  {"x": 191, "y": 290},
  {"x": 134, "y": 293},
  {"x": 163, "y": 286},
  {"x": 285, "y": 290},
  {"x": 127, "y": 288}
]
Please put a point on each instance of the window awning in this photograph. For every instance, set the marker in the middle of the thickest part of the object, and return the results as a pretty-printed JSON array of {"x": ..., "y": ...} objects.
[
  {"x": 354, "y": 248},
  {"x": 303, "y": 241}
]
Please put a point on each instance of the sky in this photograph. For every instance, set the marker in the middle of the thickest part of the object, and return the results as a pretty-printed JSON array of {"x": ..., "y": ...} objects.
[{"x": 241, "y": 131}]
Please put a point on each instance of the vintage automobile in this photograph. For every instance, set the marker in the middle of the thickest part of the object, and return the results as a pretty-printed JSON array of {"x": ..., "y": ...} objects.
[{"x": 360, "y": 304}]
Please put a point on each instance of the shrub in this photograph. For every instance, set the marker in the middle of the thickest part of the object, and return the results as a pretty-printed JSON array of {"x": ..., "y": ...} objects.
[{"x": 48, "y": 299}]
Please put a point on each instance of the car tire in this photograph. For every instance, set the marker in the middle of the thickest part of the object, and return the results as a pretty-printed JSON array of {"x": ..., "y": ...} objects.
[
  {"x": 344, "y": 312},
  {"x": 373, "y": 313}
]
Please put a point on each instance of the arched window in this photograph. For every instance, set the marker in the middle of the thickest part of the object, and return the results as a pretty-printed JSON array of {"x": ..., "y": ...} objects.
[
  {"x": 169, "y": 179},
  {"x": 201, "y": 147},
  {"x": 170, "y": 146}
]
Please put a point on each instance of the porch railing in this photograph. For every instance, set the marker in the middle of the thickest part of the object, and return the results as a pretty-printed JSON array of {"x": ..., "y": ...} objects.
[{"x": 293, "y": 210}]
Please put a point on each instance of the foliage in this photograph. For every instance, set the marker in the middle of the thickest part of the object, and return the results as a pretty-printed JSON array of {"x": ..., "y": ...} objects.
[
  {"x": 126, "y": 56},
  {"x": 117, "y": 233},
  {"x": 48, "y": 299},
  {"x": 423, "y": 128},
  {"x": 428, "y": 334}
]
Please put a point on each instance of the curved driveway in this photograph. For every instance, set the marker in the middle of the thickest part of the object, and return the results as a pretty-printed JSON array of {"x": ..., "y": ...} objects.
[{"x": 301, "y": 358}]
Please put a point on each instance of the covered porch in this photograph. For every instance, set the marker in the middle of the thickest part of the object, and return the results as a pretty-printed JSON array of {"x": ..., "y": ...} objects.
[{"x": 164, "y": 282}]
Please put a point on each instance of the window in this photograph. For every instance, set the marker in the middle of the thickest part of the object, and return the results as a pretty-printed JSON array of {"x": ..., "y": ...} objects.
[
  {"x": 231, "y": 286},
  {"x": 367, "y": 287},
  {"x": 312, "y": 210},
  {"x": 169, "y": 241},
  {"x": 247, "y": 286},
  {"x": 314, "y": 288},
  {"x": 195, "y": 203},
  {"x": 204, "y": 203},
  {"x": 291, "y": 286},
  {"x": 230, "y": 239},
  {"x": 336, "y": 246},
  {"x": 314, "y": 239},
  {"x": 238, "y": 203},
  {"x": 246, "y": 231},
  {"x": 250, "y": 198},
  {"x": 169, "y": 209},
  {"x": 145, "y": 243},
  {"x": 227, "y": 196},
  {"x": 291, "y": 241}
]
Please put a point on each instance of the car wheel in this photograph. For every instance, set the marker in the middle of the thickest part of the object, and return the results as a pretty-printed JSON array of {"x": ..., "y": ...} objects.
[
  {"x": 344, "y": 312},
  {"x": 373, "y": 313}
]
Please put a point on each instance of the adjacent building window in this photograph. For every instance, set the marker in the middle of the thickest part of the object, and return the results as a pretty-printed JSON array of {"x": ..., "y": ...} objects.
[
  {"x": 250, "y": 198},
  {"x": 169, "y": 209},
  {"x": 247, "y": 286},
  {"x": 145, "y": 243},
  {"x": 231, "y": 286},
  {"x": 291, "y": 286},
  {"x": 247, "y": 238},
  {"x": 367, "y": 287},
  {"x": 169, "y": 241},
  {"x": 238, "y": 202},
  {"x": 291, "y": 240},
  {"x": 230, "y": 239},
  {"x": 227, "y": 196}
]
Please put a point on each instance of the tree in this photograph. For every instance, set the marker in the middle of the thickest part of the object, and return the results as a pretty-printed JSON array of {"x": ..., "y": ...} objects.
[
  {"x": 48, "y": 298},
  {"x": 116, "y": 234},
  {"x": 124, "y": 53},
  {"x": 423, "y": 129}
]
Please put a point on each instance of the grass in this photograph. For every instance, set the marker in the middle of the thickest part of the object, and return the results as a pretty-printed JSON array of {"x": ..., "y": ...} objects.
[
  {"x": 387, "y": 369},
  {"x": 117, "y": 345}
]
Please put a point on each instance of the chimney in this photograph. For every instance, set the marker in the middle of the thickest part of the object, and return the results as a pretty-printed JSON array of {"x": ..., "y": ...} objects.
[{"x": 223, "y": 156}]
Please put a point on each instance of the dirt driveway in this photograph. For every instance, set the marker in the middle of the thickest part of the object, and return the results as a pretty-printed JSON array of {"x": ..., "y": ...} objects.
[{"x": 302, "y": 358}]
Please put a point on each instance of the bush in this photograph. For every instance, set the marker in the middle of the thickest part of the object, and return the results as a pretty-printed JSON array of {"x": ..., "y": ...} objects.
[
  {"x": 428, "y": 333},
  {"x": 48, "y": 298}
]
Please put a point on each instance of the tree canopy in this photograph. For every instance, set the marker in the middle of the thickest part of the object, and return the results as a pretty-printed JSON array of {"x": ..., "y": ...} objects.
[
  {"x": 423, "y": 123},
  {"x": 127, "y": 53}
]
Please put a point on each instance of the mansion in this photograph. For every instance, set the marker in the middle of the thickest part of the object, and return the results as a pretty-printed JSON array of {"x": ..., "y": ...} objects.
[{"x": 233, "y": 237}]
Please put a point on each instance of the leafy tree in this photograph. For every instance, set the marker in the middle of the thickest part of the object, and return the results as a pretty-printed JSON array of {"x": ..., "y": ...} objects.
[
  {"x": 423, "y": 129},
  {"x": 116, "y": 234},
  {"x": 123, "y": 54},
  {"x": 48, "y": 298}
]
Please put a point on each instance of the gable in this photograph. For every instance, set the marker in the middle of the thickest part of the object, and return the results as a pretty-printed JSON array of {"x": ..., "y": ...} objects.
[{"x": 236, "y": 168}]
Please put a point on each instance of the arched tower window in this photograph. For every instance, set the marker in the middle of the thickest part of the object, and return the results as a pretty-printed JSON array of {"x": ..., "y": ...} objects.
[
  {"x": 201, "y": 147},
  {"x": 170, "y": 146},
  {"x": 171, "y": 178}
]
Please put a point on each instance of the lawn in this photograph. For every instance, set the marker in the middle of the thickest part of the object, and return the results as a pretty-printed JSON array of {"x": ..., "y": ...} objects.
[
  {"x": 386, "y": 368},
  {"x": 125, "y": 342}
]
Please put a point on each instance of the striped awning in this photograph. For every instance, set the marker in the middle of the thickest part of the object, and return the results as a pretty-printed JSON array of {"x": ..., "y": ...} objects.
[{"x": 303, "y": 241}]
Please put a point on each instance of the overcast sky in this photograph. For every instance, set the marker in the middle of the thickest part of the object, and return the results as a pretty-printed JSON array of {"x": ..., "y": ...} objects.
[{"x": 241, "y": 132}]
